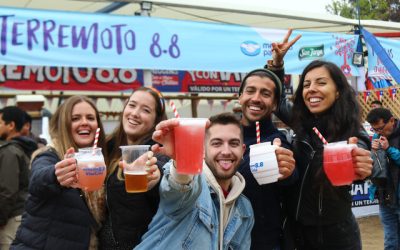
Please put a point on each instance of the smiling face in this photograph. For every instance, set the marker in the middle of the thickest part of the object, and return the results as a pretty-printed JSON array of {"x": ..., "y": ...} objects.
[
  {"x": 83, "y": 124},
  {"x": 319, "y": 90},
  {"x": 257, "y": 99},
  {"x": 139, "y": 115},
  {"x": 223, "y": 150}
]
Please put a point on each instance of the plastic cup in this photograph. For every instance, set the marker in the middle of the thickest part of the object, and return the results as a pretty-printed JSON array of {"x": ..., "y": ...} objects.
[
  {"x": 189, "y": 145},
  {"x": 91, "y": 169},
  {"x": 135, "y": 174},
  {"x": 338, "y": 163},
  {"x": 263, "y": 163}
]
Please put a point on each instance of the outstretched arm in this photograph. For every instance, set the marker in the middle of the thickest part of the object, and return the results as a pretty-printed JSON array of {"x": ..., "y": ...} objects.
[{"x": 279, "y": 50}]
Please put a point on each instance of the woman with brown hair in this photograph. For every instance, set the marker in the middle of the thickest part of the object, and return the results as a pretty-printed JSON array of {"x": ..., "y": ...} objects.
[
  {"x": 128, "y": 214},
  {"x": 325, "y": 100}
]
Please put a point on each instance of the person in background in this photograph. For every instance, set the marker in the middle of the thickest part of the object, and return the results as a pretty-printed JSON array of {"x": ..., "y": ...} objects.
[
  {"x": 59, "y": 215},
  {"x": 376, "y": 104},
  {"x": 386, "y": 153},
  {"x": 15, "y": 154},
  {"x": 27, "y": 131},
  {"x": 129, "y": 214},
  {"x": 259, "y": 96},
  {"x": 205, "y": 211},
  {"x": 27, "y": 127},
  {"x": 322, "y": 212}
]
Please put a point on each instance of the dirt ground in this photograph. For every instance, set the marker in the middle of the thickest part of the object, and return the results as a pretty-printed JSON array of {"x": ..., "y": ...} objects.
[{"x": 371, "y": 233}]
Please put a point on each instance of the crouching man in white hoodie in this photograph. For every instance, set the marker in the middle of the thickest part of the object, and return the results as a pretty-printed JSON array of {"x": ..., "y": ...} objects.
[{"x": 205, "y": 211}]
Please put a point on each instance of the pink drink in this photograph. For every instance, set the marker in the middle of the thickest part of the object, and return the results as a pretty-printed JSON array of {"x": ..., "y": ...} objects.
[
  {"x": 91, "y": 169},
  {"x": 91, "y": 174},
  {"x": 189, "y": 145},
  {"x": 338, "y": 163}
]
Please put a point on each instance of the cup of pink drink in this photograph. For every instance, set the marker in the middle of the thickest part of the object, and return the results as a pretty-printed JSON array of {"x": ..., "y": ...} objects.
[
  {"x": 189, "y": 145},
  {"x": 338, "y": 163},
  {"x": 91, "y": 169}
]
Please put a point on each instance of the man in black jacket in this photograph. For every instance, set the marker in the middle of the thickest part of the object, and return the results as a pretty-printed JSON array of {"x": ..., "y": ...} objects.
[
  {"x": 386, "y": 155},
  {"x": 15, "y": 152},
  {"x": 260, "y": 95}
]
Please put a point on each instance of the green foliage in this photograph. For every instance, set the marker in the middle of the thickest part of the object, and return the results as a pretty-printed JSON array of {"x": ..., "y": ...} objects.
[{"x": 369, "y": 9}]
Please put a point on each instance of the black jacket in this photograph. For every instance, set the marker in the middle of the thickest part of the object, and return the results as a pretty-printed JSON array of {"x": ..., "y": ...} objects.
[
  {"x": 313, "y": 200},
  {"x": 388, "y": 188},
  {"x": 128, "y": 214},
  {"x": 55, "y": 217},
  {"x": 14, "y": 176},
  {"x": 265, "y": 199}
]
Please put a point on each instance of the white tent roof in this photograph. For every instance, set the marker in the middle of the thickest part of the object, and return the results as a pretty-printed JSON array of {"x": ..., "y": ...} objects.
[{"x": 221, "y": 11}]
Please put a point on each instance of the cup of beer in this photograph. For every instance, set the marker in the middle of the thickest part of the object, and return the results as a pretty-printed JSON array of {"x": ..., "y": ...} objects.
[
  {"x": 134, "y": 171},
  {"x": 91, "y": 169},
  {"x": 189, "y": 145},
  {"x": 338, "y": 163}
]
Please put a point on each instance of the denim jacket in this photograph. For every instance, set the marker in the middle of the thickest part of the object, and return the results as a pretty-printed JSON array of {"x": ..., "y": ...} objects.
[{"x": 188, "y": 217}]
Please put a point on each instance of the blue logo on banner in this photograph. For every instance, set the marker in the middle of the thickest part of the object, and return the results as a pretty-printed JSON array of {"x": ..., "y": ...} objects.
[{"x": 250, "y": 48}]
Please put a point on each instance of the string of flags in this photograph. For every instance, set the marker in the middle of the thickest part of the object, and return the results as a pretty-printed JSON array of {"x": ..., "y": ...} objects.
[{"x": 380, "y": 93}]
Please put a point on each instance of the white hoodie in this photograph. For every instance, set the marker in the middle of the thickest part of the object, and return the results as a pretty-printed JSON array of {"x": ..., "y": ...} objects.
[{"x": 225, "y": 205}]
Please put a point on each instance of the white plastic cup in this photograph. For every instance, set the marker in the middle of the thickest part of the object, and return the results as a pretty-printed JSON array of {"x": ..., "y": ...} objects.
[{"x": 263, "y": 163}]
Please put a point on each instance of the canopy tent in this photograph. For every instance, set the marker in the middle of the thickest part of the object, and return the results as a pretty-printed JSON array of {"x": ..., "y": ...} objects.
[{"x": 220, "y": 11}]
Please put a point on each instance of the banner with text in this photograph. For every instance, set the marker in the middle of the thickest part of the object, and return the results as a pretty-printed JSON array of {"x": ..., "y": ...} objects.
[
  {"x": 65, "y": 78},
  {"x": 361, "y": 204},
  {"x": 100, "y": 79},
  {"x": 56, "y": 38},
  {"x": 375, "y": 66}
]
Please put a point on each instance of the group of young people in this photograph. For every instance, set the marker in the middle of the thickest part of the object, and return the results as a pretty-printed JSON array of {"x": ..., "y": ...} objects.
[{"x": 222, "y": 208}]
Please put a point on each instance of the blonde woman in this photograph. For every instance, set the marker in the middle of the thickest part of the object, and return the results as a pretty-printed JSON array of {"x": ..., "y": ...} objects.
[{"x": 58, "y": 214}]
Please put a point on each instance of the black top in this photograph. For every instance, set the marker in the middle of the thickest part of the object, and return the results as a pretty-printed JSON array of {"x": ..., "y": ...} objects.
[
  {"x": 128, "y": 214},
  {"x": 56, "y": 217},
  {"x": 315, "y": 201},
  {"x": 265, "y": 199}
]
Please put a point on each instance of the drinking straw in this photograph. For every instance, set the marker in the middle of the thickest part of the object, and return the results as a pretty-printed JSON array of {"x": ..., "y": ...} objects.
[
  {"x": 258, "y": 132},
  {"x": 172, "y": 104},
  {"x": 320, "y": 135},
  {"x": 96, "y": 139}
]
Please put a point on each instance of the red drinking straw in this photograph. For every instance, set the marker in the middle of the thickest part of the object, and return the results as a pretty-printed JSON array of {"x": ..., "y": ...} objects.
[
  {"x": 172, "y": 104},
  {"x": 320, "y": 135},
  {"x": 258, "y": 132},
  {"x": 96, "y": 139}
]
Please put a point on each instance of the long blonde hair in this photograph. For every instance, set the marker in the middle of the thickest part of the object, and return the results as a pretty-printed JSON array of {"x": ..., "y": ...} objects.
[{"x": 62, "y": 140}]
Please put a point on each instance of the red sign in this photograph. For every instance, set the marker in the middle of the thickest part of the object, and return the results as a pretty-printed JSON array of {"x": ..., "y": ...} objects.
[
  {"x": 64, "y": 78},
  {"x": 211, "y": 82}
]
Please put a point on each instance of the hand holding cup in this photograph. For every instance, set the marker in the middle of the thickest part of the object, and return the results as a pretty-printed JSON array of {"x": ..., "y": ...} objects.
[
  {"x": 362, "y": 161},
  {"x": 286, "y": 162},
  {"x": 149, "y": 161},
  {"x": 65, "y": 170},
  {"x": 164, "y": 135}
]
